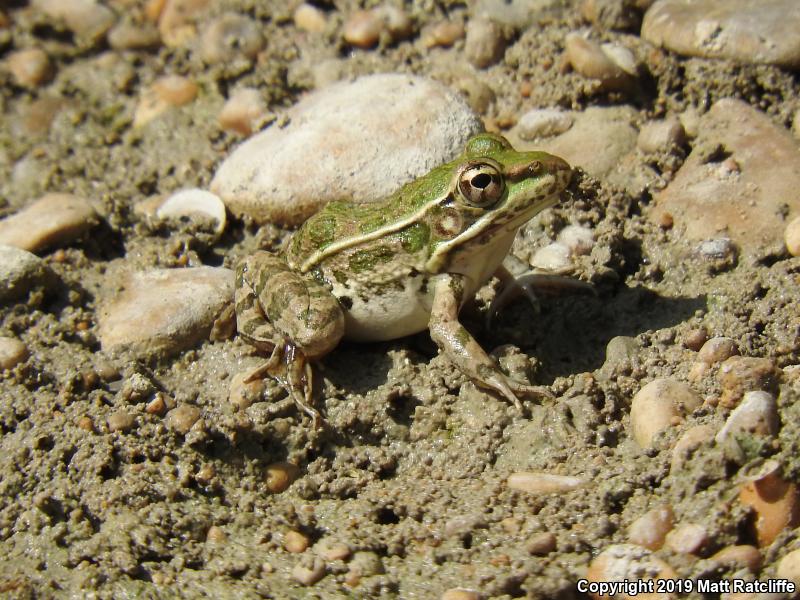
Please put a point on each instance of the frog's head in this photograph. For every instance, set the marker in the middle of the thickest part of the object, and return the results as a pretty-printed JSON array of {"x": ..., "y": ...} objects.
[{"x": 493, "y": 192}]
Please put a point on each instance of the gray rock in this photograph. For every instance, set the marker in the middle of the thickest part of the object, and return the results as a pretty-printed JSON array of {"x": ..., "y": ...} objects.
[
  {"x": 357, "y": 140},
  {"x": 748, "y": 31},
  {"x": 20, "y": 272},
  {"x": 164, "y": 311}
]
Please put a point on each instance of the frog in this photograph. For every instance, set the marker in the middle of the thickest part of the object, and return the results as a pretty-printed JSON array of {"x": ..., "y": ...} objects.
[{"x": 383, "y": 270}]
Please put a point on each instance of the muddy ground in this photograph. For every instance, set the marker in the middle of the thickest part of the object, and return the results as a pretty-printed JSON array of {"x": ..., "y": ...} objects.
[{"x": 411, "y": 475}]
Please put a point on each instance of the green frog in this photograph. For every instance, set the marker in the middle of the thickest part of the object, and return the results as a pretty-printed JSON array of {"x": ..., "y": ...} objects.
[{"x": 387, "y": 269}]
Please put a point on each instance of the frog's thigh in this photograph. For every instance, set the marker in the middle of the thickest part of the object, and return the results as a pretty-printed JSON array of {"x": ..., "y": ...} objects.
[{"x": 250, "y": 320}]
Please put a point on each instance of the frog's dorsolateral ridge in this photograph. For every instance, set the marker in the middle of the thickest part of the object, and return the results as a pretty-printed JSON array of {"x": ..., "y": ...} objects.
[{"x": 392, "y": 268}]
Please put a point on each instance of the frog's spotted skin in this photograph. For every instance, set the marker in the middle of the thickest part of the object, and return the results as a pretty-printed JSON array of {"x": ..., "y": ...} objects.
[{"x": 392, "y": 268}]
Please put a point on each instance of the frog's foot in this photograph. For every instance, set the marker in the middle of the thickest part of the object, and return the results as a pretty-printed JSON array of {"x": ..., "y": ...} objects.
[{"x": 528, "y": 284}]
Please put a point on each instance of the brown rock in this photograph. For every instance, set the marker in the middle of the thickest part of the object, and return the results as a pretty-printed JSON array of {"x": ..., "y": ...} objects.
[
  {"x": 740, "y": 374},
  {"x": 739, "y": 556},
  {"x": 53, "y": 220},
  {"x": 12, "y": 352},
  {"x": 776, "y": 505},
  {"x": 650, "y": 529},
  {"x": 30, "y": 67},
  {"x": 181, "y": 418}
]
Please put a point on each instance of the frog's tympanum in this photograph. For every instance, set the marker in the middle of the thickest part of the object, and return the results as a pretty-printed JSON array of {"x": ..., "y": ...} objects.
[{"x": 392, "y": 268}]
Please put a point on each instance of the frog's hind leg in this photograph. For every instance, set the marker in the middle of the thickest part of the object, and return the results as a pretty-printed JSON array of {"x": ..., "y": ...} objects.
[{"x": 300, "y": 382}]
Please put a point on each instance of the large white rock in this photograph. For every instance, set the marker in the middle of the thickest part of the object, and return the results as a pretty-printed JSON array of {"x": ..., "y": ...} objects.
[{"x": 358, "y": 140}]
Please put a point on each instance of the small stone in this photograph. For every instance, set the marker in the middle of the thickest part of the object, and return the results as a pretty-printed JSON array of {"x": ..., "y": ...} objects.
[
  {"x": 121, "y": 421},
  {"x": 543, "y": 483},
  {"x": 85, "y": 18},
  {"x": 366, "y": 564},
  {"x": 717, "y": 349},
  {"x": 156, "y": 406},
  {"x": 543, "y": 122},
  {"x": 21, "y": 272},
  {"x": 443, "y": 33},
  {"x": 309, "y": 570},
  {"x": 789, "y": 567},
  {"x": 659, "y": 405},
  {"x": 579, "y": 240},
  {"x": 243, "y": 111},
  {"x": 397, "y": 22},
  {"x": 485, "y": 42},
  {"x": 242, "y": 395},
  {"x": 332, "y": 550},
  {"x": 688, "y": 443},
  {"x": 688, "y": 538},
  {"x": 618, "y": 15},
  {"x": 740, "y": 374},
  {"x": 695, "y": 338},
  {"x": 130, "y": 36},
  {"x": 757, "y": 414},
  {"x": 661, "y": 136},
  {"x": 194, "y": 203},
  {"x": 722, "y": 251},
  {"x": 553, "y": 257},
  {"x": 592, "y": 61},
  {"x": 650, "y": 529},
  {"x": 182, "y": 418},
  {"x": 736, "y": 557},
  {"x": 363, "y": 29},
  {"x": 462, "y": 525},
  {"x": 620, "y": 562},
  {"x": 53, "y": 220},
  {"x": 216, "y": 535},
  {"x": 206, "y": 474},
  {"x": 776, "y": 504},
  {"x": 136, "y": 388},
  {"x": 165, "y": 93},
  {"x": 164, "y": 311},
  {"x": 176, "y": 20},
  {"x": 541, "y": 544},
  {"x": 12, "y": 352},
  {"x": 280, "y": 475},
  {"x": 86, "y": 423},
  {"x": 461, "y": 594},
  {"x": 295, "y": 542},
  {"x": 309, "y": 18},
  {"x": 30, "y": 67},
  {"x": 230, "y": 37},
  {"x": 791, "y": 235}
]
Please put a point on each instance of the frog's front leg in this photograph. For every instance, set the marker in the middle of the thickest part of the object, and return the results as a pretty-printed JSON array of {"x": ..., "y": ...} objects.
[
  {"x": 461, "y": 347},
  {"x": 293, "y": 318}
]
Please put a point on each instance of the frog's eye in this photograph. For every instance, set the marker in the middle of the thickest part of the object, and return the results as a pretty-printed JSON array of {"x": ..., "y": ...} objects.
[{"x": 481, "y": 184}]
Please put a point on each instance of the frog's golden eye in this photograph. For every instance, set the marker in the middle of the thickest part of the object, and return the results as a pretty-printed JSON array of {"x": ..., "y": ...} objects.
[{"x": 481, "y": 184}]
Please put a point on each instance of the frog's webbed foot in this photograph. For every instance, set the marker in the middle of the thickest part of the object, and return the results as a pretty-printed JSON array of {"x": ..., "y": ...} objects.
[{"x": 528, "y": 284}]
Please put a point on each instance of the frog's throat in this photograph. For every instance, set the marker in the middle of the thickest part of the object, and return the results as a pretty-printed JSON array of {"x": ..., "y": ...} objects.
[{"x": 440, "y": 258}]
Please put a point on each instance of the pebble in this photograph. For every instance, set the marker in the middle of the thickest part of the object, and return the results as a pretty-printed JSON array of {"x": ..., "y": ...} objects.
[
  {"x": 659, "y": 405},
  {"x": 747, "y": 31},
  {"x": 229, "y": 37},
  {"x": 661, "y": 136},
  {"x": 363, "y": 29},
  {"x": 720, "y": 250},
  {"x": 156, "y": 406},
  {"x": 708, "y": 200},
  {"x": 243, "y": 111},
  {"x": 85, "y": 18},
  {"x": 216, "y": 535},
  {"x": 309, "y": 18},
  {"x": 579, "y": 240},
  {"x": 194, "y": 202},
  {"x": 611, "y": 14},
  {"x": 295, "y": 542},
  {"x": 12, "y": 352},
  {"x": 53, "y": 220},
  {"x": 739, "y": 556},
  {"x": 182, "y": 418},
  {"x": 332, "y": 550},
  {"x": 541, "y": 544},
  {"x": 791, "y": 236},
  {"x": 267, "y": 179},
  {"x": 130, "y": 36},
  {"x": 366, "y": 564},
  {"x": 443, "y": 34},
  {"x": 776, "y": 504},
  {"x": 176, "y": 20},
  {"x": 596, "y": 62},
  {"x": 553, "y": 257},
  {"x": 543, "y": 483},
  {"x": 688, "y": 443},
  {"x": 688, "y": 538},
  {"x": 717, "y": 349},
  {"x": 485, "y": 43},
  {"x": 280, "y": 475},
  {"x": 620, "y": 562},
  {"x": 544, "y": 122},
  {"x": 30, "y": 68},
  {"x": 163, "y": 311},
  {"x": 121, "y": 421},
  {"x": 650, "y": 529},
  {"x": 740, "y": 374},
  {"x": 789, "y": 567},
  {"x": 166, "y": 92},
  {"x": 20, "y": 272},
  {"x": 695, "y": 339},
  {"x": 757, "y": 414},
  {"x": 242, "y": 395},
  {"x": 461, "y": 594},
  {"x": 309, "y": 570}
]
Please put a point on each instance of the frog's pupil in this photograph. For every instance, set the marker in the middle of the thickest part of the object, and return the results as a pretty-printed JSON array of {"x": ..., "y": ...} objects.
[{"x": 482, "y": 180}]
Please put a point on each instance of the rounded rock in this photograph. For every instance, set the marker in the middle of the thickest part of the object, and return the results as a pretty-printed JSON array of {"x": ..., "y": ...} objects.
[
  {"x": 553, "y": 257},
  {"x": 658, "y": 405},
  {"x": 650, "y": 529},
  {"x": 717, "y": 349},
  {"x": 366, "y": 564},
  {"x": 443, "y": 33},
  {"x": 579, "y": 240},
  {"x": 280, "y": 475},
  {"x": 128, "y": 36},
  {"x": 485, "y": 42},
  {"x": 266, "y": 177},
  {"x": 121, "y": 421},
  {"x": 229, "y": 37},
  {"x": 12, "y": 352},
  {"x": 194, "y": 202},
  {"x": 543, "y": 483},
  {"x": 695, "y": 338},
  {"x": 791, "y": 235},
  {"x": 182, "y": 418},
  {"x": 661, "y": 136},
  {"x": 332, "y": 550},
  {"x": 85, "y": 18},
  {"x": 461, "y": 594},
  {"x": 621, "y": 562},
  {"x": 757, "y": 414},
  {"x": 740, "y": 374},
  {"x": 295, "y": 542},
  {"x": 688, "y": 538},
  {"x": 176, "y": 20},
  {"x": 541, "y": 544},
  {"x": 739, "y": 556},
  {"x": 688, "y": 443},
  {"x": 243, "y": 111},
  {"x": 543, "y": 122},
  {"x": 309, "y": 18},
  {"x": 243, "y": 394},
  {"x": 789, "y": 567},
  {"x": 165, "y": 93},
  {"x": 30, "y": 68},
  {"x": 776, "y": 505},
  {"x": 363, "y": 29},
  {"x": 593, "y": 61},
  {"x": 309, "y": 570}
]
